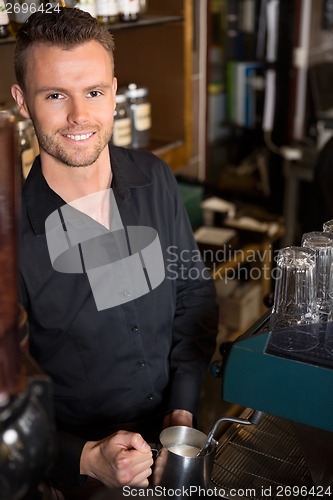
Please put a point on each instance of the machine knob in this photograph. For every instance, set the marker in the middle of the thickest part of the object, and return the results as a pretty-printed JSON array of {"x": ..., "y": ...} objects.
[{"x": 216, "y": 369}]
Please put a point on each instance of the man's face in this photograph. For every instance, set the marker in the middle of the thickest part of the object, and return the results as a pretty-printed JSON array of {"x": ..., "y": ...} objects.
[{"x": 70, "y": 97}]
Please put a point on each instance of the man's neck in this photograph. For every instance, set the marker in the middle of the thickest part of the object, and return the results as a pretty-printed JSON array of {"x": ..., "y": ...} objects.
[
  {"x": 75, "y": 184},
  {"x": 71, "y": 183}
]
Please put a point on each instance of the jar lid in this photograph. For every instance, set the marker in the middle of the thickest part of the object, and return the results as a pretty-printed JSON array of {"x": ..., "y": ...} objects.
[
  {"x": 134, "y": 91},
  {"x": 10, "y": 114}
]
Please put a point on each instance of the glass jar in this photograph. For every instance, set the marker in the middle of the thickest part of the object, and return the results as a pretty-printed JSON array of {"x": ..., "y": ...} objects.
[
  {"x": 122, "y": 127},
  {"x": 140, "y": 107},
  {"x": 107, "y": 11},
  {"x": 4, "y": 21},
  {"x": 143, "y": 6},
  {"x": 129, "y": 10}
]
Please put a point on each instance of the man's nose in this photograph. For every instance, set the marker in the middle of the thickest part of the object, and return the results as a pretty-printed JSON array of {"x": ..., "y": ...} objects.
[{"x": 78, "y": 111}]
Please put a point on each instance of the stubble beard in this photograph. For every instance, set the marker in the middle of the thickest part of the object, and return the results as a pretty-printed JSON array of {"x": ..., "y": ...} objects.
[{"x": 70, "y": 157}]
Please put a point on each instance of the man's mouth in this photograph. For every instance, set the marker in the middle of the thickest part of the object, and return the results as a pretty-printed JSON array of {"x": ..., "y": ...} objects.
[{"x": 79, "y": 137}]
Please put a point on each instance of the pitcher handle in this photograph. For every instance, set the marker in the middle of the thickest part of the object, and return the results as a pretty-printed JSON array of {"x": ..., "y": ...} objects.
[{"x": 155, "y": 448}]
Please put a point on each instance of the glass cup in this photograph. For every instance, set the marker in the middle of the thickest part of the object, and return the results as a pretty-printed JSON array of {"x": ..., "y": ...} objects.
[
  {"x": 294, "y": 318},
  {"x": 322, "y": 244}
]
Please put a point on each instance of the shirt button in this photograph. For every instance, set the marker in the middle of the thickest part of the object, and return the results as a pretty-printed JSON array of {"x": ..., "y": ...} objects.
[
  {"x": 142, "y": 364},
  {"x": 134, "y": 328},
  {"x": 150, "y": 397}
]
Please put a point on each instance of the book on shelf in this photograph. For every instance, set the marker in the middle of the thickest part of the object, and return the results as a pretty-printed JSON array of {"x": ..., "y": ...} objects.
[{"x": 245, "y": 88}]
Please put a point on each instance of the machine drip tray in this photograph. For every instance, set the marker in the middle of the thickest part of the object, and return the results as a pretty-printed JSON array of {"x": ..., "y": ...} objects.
[{"x": 262, "y": 462}]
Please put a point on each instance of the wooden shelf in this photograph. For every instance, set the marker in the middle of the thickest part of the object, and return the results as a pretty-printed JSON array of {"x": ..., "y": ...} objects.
[
  {"x": 7, "y": 41},
  {"x": 172, "y": 153},
  {"x": 145, "y": 21}
]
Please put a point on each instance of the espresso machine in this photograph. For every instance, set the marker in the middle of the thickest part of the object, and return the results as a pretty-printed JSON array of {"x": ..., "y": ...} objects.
[
  {"x": 293, "y": 448},
  {"x": 26, "y": 412}
]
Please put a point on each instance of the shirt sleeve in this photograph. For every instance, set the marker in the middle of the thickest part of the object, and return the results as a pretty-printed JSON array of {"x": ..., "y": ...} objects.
[
  {"x": 65, "y": 472},
  {"x": 196, "y": 314}
]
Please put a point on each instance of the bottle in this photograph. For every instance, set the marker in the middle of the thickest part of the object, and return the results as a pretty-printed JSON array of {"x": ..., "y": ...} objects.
[
  {"x": 140, "y": 107},
  {"x": 129, "y": 10},
  {"x": 88, "y": 6},
  {"x": 107, "y": 11},
  {"x": 143, "y": 6},
  {"x": 4, "y": 20},
  {"x": 122, "y": 127}
]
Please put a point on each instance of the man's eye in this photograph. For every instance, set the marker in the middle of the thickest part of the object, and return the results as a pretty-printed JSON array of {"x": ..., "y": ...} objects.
[
  {"x": 94, "y": 93},
  {"x": 55, "y": 96}
]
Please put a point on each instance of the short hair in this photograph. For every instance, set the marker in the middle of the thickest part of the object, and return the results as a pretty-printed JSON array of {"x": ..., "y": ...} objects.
[{"x": 63, "y": 26}]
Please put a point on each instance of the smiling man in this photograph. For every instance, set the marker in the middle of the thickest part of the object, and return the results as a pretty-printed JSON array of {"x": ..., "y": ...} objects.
[
  {"x": 69, "y": 92},
  {"x": 126, "y": 369}
]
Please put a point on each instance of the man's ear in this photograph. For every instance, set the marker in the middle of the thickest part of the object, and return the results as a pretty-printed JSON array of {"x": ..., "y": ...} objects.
[
  {"x": 19, "y": 98},
  {"x": 115, "y": 84}
]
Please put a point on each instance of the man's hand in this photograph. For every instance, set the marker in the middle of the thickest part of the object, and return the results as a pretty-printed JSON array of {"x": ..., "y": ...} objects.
[
  {"x": 178, "y": 417},
  {"x": 121, "y": 459}
]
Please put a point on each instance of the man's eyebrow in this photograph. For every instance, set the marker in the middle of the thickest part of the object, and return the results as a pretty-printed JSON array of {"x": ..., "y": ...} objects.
[
  {"x": 46, "y": 90},
  {"x": 101, "y": 85}
]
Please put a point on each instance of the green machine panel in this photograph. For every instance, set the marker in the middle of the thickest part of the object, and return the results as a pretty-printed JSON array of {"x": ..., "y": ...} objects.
[{"x": 294, "y": 385}]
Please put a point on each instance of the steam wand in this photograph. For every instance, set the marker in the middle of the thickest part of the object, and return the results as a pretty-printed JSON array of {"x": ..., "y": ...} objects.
[{"x": 255, "y": 418}]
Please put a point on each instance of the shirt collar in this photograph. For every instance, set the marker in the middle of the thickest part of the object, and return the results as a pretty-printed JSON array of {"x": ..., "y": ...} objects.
[{"x": 40, "y": 200}]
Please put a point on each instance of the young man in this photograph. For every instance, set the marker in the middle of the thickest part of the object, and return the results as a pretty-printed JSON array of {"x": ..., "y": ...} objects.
[{"x": 122, "y": 314}]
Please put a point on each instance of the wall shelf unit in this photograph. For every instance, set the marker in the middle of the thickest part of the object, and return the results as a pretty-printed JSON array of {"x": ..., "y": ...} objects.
[{"x": 154, "y": 52}]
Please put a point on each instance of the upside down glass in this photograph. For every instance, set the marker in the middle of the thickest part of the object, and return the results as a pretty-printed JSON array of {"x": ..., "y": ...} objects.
[
  {"x": 328, "y": 228},
  {"x": 322, "y": 243},
  {"x": 294, "y": 318}
]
